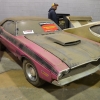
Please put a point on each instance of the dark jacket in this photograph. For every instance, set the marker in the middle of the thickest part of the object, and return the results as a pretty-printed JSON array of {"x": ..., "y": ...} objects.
[{"x": 52, "y": 15}]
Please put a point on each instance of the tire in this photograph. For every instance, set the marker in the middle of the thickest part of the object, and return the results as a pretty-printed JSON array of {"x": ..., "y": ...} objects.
[
  {"x": 2, "y": 47},
  {"x": 31, "y": 74}
]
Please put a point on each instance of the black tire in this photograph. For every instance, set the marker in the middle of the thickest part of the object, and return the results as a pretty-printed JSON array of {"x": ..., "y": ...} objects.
[
  {"x": 2, "y": 47},
  {"x": 31, "y": 74}
]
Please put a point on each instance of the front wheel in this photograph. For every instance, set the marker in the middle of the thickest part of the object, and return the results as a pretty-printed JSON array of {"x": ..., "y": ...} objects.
[{"x": 31, "y": 73}]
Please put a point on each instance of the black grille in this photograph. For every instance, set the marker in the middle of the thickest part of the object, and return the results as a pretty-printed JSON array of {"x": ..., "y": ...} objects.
[{"x": 82, "y": 68}]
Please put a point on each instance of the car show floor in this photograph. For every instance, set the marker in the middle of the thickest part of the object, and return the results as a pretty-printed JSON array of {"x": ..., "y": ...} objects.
[{"x": 14, "y": 86}]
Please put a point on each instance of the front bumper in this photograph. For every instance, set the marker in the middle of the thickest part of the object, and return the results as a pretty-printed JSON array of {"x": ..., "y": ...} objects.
[{"x": 75, "y": 77}]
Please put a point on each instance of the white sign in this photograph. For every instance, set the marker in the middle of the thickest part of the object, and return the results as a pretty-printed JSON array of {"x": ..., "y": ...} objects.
[{"x": 28, "y": 32}]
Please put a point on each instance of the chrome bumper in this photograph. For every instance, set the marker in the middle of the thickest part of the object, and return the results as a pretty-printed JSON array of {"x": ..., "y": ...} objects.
[{"x": 75, "y": 77}]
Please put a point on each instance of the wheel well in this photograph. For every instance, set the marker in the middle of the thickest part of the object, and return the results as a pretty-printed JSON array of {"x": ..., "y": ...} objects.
[{"x": 23, "y": 58}]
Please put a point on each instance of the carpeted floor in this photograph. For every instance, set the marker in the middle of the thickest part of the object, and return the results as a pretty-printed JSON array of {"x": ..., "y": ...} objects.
[{"x": 7, "y": 64}]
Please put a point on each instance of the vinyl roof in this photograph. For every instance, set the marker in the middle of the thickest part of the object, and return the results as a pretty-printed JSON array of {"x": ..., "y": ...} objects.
[{"x": 24, "y": 18}]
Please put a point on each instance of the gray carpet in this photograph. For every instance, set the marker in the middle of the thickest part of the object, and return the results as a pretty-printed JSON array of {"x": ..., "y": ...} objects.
[{"x": 6, "y": 65}]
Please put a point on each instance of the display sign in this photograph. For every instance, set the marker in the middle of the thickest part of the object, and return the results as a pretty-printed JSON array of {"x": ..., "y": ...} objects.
[
  {"x": 49, "y": 27},
  {"x": 28, "y": 32}
]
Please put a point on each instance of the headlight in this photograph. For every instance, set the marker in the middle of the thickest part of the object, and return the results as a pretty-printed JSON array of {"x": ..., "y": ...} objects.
[{"x": 61, "y": 74}]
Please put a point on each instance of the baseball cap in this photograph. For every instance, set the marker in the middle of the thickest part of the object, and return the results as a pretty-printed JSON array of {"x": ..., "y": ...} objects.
[{"x": 55, "y": 4}]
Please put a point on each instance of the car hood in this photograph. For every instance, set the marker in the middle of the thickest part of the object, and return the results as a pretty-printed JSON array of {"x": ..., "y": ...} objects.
[{"x": 69, "y": 48}]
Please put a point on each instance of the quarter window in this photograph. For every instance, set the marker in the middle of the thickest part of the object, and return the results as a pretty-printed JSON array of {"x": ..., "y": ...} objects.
[{"x": 9, "y": 26}]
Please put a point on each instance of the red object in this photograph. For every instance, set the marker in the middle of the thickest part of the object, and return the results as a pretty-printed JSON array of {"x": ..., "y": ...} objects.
[{"x": 49, "y": 27}]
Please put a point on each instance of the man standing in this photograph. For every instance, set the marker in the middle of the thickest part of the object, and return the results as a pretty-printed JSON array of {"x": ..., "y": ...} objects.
[{"x": 52, "y": 14}]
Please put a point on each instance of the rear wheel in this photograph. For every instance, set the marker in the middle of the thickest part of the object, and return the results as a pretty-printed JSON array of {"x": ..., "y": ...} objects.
[
  {"x": 2, "y": 47},
  {"x": 31, "y": 73}
]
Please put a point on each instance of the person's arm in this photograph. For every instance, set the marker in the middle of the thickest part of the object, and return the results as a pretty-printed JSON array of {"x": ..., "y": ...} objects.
[{"x": 54, "y": 17}]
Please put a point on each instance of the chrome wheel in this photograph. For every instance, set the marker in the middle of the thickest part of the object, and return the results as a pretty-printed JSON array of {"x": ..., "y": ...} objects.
[{"x": 31, "y": 72}]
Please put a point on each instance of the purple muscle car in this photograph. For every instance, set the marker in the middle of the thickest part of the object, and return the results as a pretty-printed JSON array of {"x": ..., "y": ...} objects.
[{"x": 47, "y": 52}]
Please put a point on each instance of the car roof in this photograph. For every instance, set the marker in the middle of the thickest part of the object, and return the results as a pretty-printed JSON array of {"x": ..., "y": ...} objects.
[{"x": 24, "y": 18}]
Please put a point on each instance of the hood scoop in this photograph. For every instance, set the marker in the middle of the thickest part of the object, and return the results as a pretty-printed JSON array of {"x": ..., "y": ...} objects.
[{"x": 64, "y": 39}]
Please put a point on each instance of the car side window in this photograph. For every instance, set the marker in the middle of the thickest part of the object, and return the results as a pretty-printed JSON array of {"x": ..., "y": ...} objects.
[{"x": 9, "y": 26}]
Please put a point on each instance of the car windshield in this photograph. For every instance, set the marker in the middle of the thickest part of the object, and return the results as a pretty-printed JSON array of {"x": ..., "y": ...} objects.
[{"x": 36, "y": 27}]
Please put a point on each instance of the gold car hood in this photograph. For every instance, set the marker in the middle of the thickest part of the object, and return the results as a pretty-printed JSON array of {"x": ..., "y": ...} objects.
[{"x": 69, "y": 48}]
